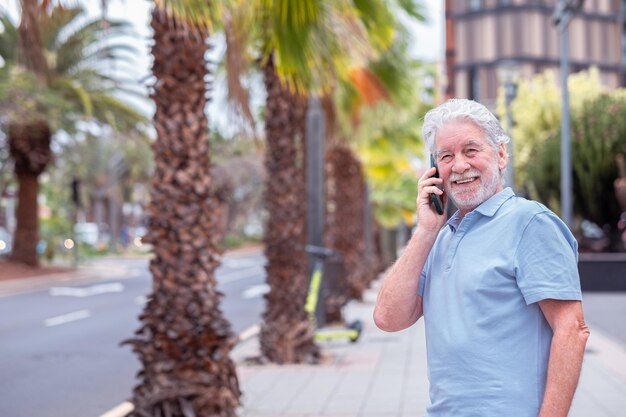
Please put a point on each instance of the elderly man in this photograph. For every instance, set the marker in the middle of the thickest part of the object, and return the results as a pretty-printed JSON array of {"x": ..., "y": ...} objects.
[{"x": 497, "y": 283}]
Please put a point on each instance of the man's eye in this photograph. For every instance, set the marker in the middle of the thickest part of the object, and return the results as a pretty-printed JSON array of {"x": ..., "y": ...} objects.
[
  {"x": 445, "y": 158},
  {"x": 472, "y": 151}
]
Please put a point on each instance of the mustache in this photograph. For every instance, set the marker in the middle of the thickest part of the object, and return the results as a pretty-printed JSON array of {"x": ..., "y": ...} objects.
[{"x": 466, "y": 175}]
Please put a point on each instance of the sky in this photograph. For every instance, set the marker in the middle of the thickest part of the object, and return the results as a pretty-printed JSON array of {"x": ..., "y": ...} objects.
[{"x": 427, "y": 43}]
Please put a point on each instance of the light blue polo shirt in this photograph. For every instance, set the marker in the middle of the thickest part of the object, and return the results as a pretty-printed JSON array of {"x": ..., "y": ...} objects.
[{"x": 487, "y": 340}]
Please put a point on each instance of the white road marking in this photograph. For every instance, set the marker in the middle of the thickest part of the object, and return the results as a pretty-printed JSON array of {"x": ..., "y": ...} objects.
[
  {"x": 121, "y": 410},
  {"x": 88, "y": 291},
  {"x": 67, "y": 318},
  {"x": 141, "y": 300},
  {"x": 255, "y": 291},
  {"x": 240, "y": 274},
  {"x": 249, "y": 332}
]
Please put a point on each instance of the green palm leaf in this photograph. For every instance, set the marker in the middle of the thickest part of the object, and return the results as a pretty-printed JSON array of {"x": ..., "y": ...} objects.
[{"x": 80, "y": 53}]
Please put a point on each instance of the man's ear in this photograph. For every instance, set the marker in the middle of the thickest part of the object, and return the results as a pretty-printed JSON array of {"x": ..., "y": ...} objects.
[{"x": 503, "y": 158}]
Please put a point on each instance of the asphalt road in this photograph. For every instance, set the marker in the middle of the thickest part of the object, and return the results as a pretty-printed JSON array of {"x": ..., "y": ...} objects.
[{"x": 59, "y": 347}]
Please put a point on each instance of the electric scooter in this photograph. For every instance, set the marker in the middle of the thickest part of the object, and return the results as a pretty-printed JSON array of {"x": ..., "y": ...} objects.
[{"x": 353, "y": 331}]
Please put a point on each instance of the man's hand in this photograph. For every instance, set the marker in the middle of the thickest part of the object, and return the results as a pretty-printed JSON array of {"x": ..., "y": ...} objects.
[
  {"x": 427, "y": 218},
  {"x": 398, "y": 305}
]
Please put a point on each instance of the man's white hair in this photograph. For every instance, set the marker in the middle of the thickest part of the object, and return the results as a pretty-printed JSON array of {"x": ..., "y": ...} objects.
[{"x": 462, "y": 109}]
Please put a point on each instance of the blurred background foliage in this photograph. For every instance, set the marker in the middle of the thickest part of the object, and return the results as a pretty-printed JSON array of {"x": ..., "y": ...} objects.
[
  {"x": 384, "y": 127},
  {"x": 598, "y": 136},
  {"x": 377, "y": 109}
]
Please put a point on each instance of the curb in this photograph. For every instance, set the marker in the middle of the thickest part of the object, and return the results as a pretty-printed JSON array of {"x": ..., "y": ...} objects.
[
  {"x": 120, "y": 411},
  {"x": 82, "y": 275},
  {"x": 26, "y": 285}
]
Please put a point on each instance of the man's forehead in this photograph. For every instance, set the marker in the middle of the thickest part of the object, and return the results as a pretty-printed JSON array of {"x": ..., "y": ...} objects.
[{"x": 461, "y": 142}]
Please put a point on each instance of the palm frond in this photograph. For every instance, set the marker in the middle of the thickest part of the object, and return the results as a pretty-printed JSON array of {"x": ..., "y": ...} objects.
[
  {"x": 79, "y": 55},
  {"x": 195, "y": 15},
  {"x": 55, "y": 21},
  {"x": 368, "y": 85},
  {"x": 89, "y": 40},
  {"x": 115, "y": 54},
  {"x": 288, "y": 25},
  {"x": 117, "y": 114},
  {"x": 236, "y": 64},
  {"x": 413, "y": 9},
  {"x": 8, "y": 39},
  {"x": 378, "y": 20},
  {"x": 75, "y": 92}
]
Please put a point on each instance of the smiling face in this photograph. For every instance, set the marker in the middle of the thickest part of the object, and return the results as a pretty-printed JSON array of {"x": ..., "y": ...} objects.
[{"x": 468, "y": 164}]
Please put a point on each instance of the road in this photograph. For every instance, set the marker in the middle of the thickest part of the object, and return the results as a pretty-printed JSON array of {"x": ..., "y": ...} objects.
[{"x": 59, "y": 347}]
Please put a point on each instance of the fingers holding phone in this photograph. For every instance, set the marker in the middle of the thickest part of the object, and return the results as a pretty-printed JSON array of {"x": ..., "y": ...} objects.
[
  {"x": 435, "y": 198},
  {"x": 431, "y": 200}
]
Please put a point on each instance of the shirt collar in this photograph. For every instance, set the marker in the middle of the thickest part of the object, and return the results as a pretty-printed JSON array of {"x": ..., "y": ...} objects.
[{"x": 487, "y": 208}]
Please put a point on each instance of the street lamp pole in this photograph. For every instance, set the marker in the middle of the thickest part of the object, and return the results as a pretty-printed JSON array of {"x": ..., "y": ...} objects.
[
  {"x": 315, "y": 134},
  {"x": 563, "y": 14},
  {"x": 510, "y": 90},
  {"x": 566, "y": 143},
  {"x": 508, "y": 73}
]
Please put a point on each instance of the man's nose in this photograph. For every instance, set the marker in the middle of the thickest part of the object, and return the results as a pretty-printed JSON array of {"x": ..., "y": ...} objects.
[{"x": 460, "y": 165}]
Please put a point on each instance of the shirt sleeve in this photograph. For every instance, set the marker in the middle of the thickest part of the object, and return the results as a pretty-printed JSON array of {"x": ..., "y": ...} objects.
[{"x": 546, "y": 261}]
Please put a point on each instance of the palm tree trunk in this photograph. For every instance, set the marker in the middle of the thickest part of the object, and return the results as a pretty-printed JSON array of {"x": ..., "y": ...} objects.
[
  {"x": 184, "y": 342},
  {"x": 346, "y": 219},
  {"x": 29, "y": 146},
  {"x": 30, "y": 45},
  {"x": 287, "y": 335},
  {"x": 27, "y": 226},
  {"x": 30, "y": 159}
]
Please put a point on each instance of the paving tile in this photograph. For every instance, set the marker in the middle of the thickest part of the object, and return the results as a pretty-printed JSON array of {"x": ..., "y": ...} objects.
[{"x": 385, "y": 374}]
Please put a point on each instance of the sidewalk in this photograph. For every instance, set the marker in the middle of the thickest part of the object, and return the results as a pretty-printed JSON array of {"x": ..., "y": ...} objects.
[{"x": 384, "y": 374}]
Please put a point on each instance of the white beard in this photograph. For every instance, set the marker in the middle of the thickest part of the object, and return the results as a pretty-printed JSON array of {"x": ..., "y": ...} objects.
[{"x": 471, "y": 197}]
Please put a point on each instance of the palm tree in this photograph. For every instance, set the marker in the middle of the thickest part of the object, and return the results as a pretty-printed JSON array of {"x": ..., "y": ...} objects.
[
  {"x": 183, "y": 342},
  {"x": 326, "y": 42},
  {"x": 292, "y": 68},
  {"x": 287, "y": 335},
  {"x": 53, "y": 76},
  {"x": 385, "y": 138},
  {"x": 344, "y": 228},
  {"x": 389, "y": 80}
]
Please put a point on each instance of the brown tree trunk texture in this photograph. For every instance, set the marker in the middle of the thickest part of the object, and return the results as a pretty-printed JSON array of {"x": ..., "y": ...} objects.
[
  {"x": 27, "y": 227},
  {"x": 345, "y": 207},
  {"x": 183, "y": 342},
  {"x": 372, "y": 252},
  {"x": 287, "y": 335},
  {"x": 29, "y": 146},
  {"x": 31, "y": 53}
]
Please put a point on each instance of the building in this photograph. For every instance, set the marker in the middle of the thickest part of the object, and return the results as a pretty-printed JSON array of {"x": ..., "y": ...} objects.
[{"x": 484, "y": 35}]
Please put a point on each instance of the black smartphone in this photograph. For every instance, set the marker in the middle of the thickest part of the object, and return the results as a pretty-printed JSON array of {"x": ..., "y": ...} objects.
[{"x": 434, "y": 198}]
